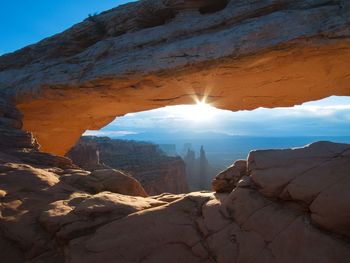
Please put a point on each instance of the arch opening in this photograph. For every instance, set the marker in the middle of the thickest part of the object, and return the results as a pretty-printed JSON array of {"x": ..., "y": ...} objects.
[
  {"x": 279, "y": 78},
  {"x": 207, "y": 139}
]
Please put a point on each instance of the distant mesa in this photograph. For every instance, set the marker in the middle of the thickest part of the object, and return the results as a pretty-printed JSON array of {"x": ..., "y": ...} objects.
[{"x": 148, "y": 163}]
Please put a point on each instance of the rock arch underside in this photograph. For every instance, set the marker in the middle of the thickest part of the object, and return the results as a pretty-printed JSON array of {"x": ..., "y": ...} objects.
[{"x": 276, "y": 206}]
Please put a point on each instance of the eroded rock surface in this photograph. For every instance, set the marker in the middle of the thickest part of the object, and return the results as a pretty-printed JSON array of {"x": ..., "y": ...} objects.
[
  {"x": 316, "y": 176},
  {"x": 228, "y": 179},
  {"x": 154, "y": 53},
  {"x": 290, "y": 206},
  {"x": 295, "y": 214}
]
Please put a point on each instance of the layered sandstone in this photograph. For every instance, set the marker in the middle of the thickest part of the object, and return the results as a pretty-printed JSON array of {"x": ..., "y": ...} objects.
[
  {"x": 144, "y": 161},
  {"x": 290, "y": 206},
  {"x": 152, "y": 53}
]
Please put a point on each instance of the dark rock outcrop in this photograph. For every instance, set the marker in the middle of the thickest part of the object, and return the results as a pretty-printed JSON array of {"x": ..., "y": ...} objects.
[
  {"x": 87, "y": 155},
  {"x": 156, "y": 172},
  {"x": 228, "y": 179}
]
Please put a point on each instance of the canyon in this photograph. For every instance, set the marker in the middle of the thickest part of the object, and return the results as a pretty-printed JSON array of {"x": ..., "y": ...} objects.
[
  {"x": 146, "y": 162},
  {"x": 287, "y": 205},
  {"x": 277, "y": 206}
]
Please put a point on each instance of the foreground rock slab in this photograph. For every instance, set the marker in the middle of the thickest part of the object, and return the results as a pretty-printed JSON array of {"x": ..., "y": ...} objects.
[
  {"x": 154, "y": 53},
  {"x": 228, "y": 179},
  {"x": 316, "y": 176},
  {"x": 288, "y": 206}
]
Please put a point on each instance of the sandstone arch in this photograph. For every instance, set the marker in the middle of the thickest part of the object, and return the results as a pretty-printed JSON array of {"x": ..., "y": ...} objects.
[{"x": 149, "y": 54}]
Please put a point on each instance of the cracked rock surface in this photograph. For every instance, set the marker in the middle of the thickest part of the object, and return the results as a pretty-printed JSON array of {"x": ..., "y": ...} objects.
[
  {"x": 289, "y": 206},
  {"x": 315, "y": 177}
]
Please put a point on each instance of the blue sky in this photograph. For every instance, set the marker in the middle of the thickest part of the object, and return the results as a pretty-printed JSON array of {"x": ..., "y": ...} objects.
[
  {"x": 28, "y": 21},
  {"x": 327, "y": 117}
]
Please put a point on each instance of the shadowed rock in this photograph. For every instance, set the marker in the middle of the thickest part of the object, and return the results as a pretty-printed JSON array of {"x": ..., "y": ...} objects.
[{"x": 227, "y": 180}]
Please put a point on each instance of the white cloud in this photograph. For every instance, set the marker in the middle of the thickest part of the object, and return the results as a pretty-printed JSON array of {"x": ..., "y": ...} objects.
[
  {"x": 321, "y": 117},
  {"x": 109, "y": 133}
]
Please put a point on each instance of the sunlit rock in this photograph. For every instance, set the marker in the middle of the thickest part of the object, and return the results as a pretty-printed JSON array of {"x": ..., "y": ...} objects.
[
  {"x": 148, "y": 54},
  {"x": 316, "y": 176},
  {"x": 288, "y": 205},
  {"x": 119, "y": 182}
]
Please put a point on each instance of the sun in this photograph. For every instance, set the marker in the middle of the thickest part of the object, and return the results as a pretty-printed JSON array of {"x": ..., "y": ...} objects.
[{"x": 201, "y": 112}]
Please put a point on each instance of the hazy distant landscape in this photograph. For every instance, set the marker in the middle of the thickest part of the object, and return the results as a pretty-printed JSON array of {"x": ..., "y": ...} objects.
[
  {"x": 219, "y": 152},
  {"x": 223, "y": 150},
  {"x": 228, "y": 136}
]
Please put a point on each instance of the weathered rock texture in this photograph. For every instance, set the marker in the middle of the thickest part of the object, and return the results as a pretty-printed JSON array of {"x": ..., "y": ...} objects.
[
  {"x": 317, "y": 177},
  {"x": 228, "y": 179},
  {"x": 144, "y": 55},
  {"x": 86, "y": 154},
  {"x": 288, "y": 206},
  {"x": 20, "y": 143},
  {"x": 291, "y": 206},
  {"x": 156, "y": 172}
]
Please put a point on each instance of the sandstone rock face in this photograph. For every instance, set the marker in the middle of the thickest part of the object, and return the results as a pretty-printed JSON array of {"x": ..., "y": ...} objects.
[
  {"x": 119, "y": 182},
  {"x": 47, "y": 215},
  {"x": 37, "y": 205},
  {"x": 154, "y": 53},
  {"x": 227, "y": 180},
  {"x": 104, "y": 180},
  {"x": 19, "y": 145},
  {"x": 86, "y": 154},
  {"x": 156, "y": 172},
  {"x": 290, "y": 206},
  {"x": 316, "y": 176}
]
